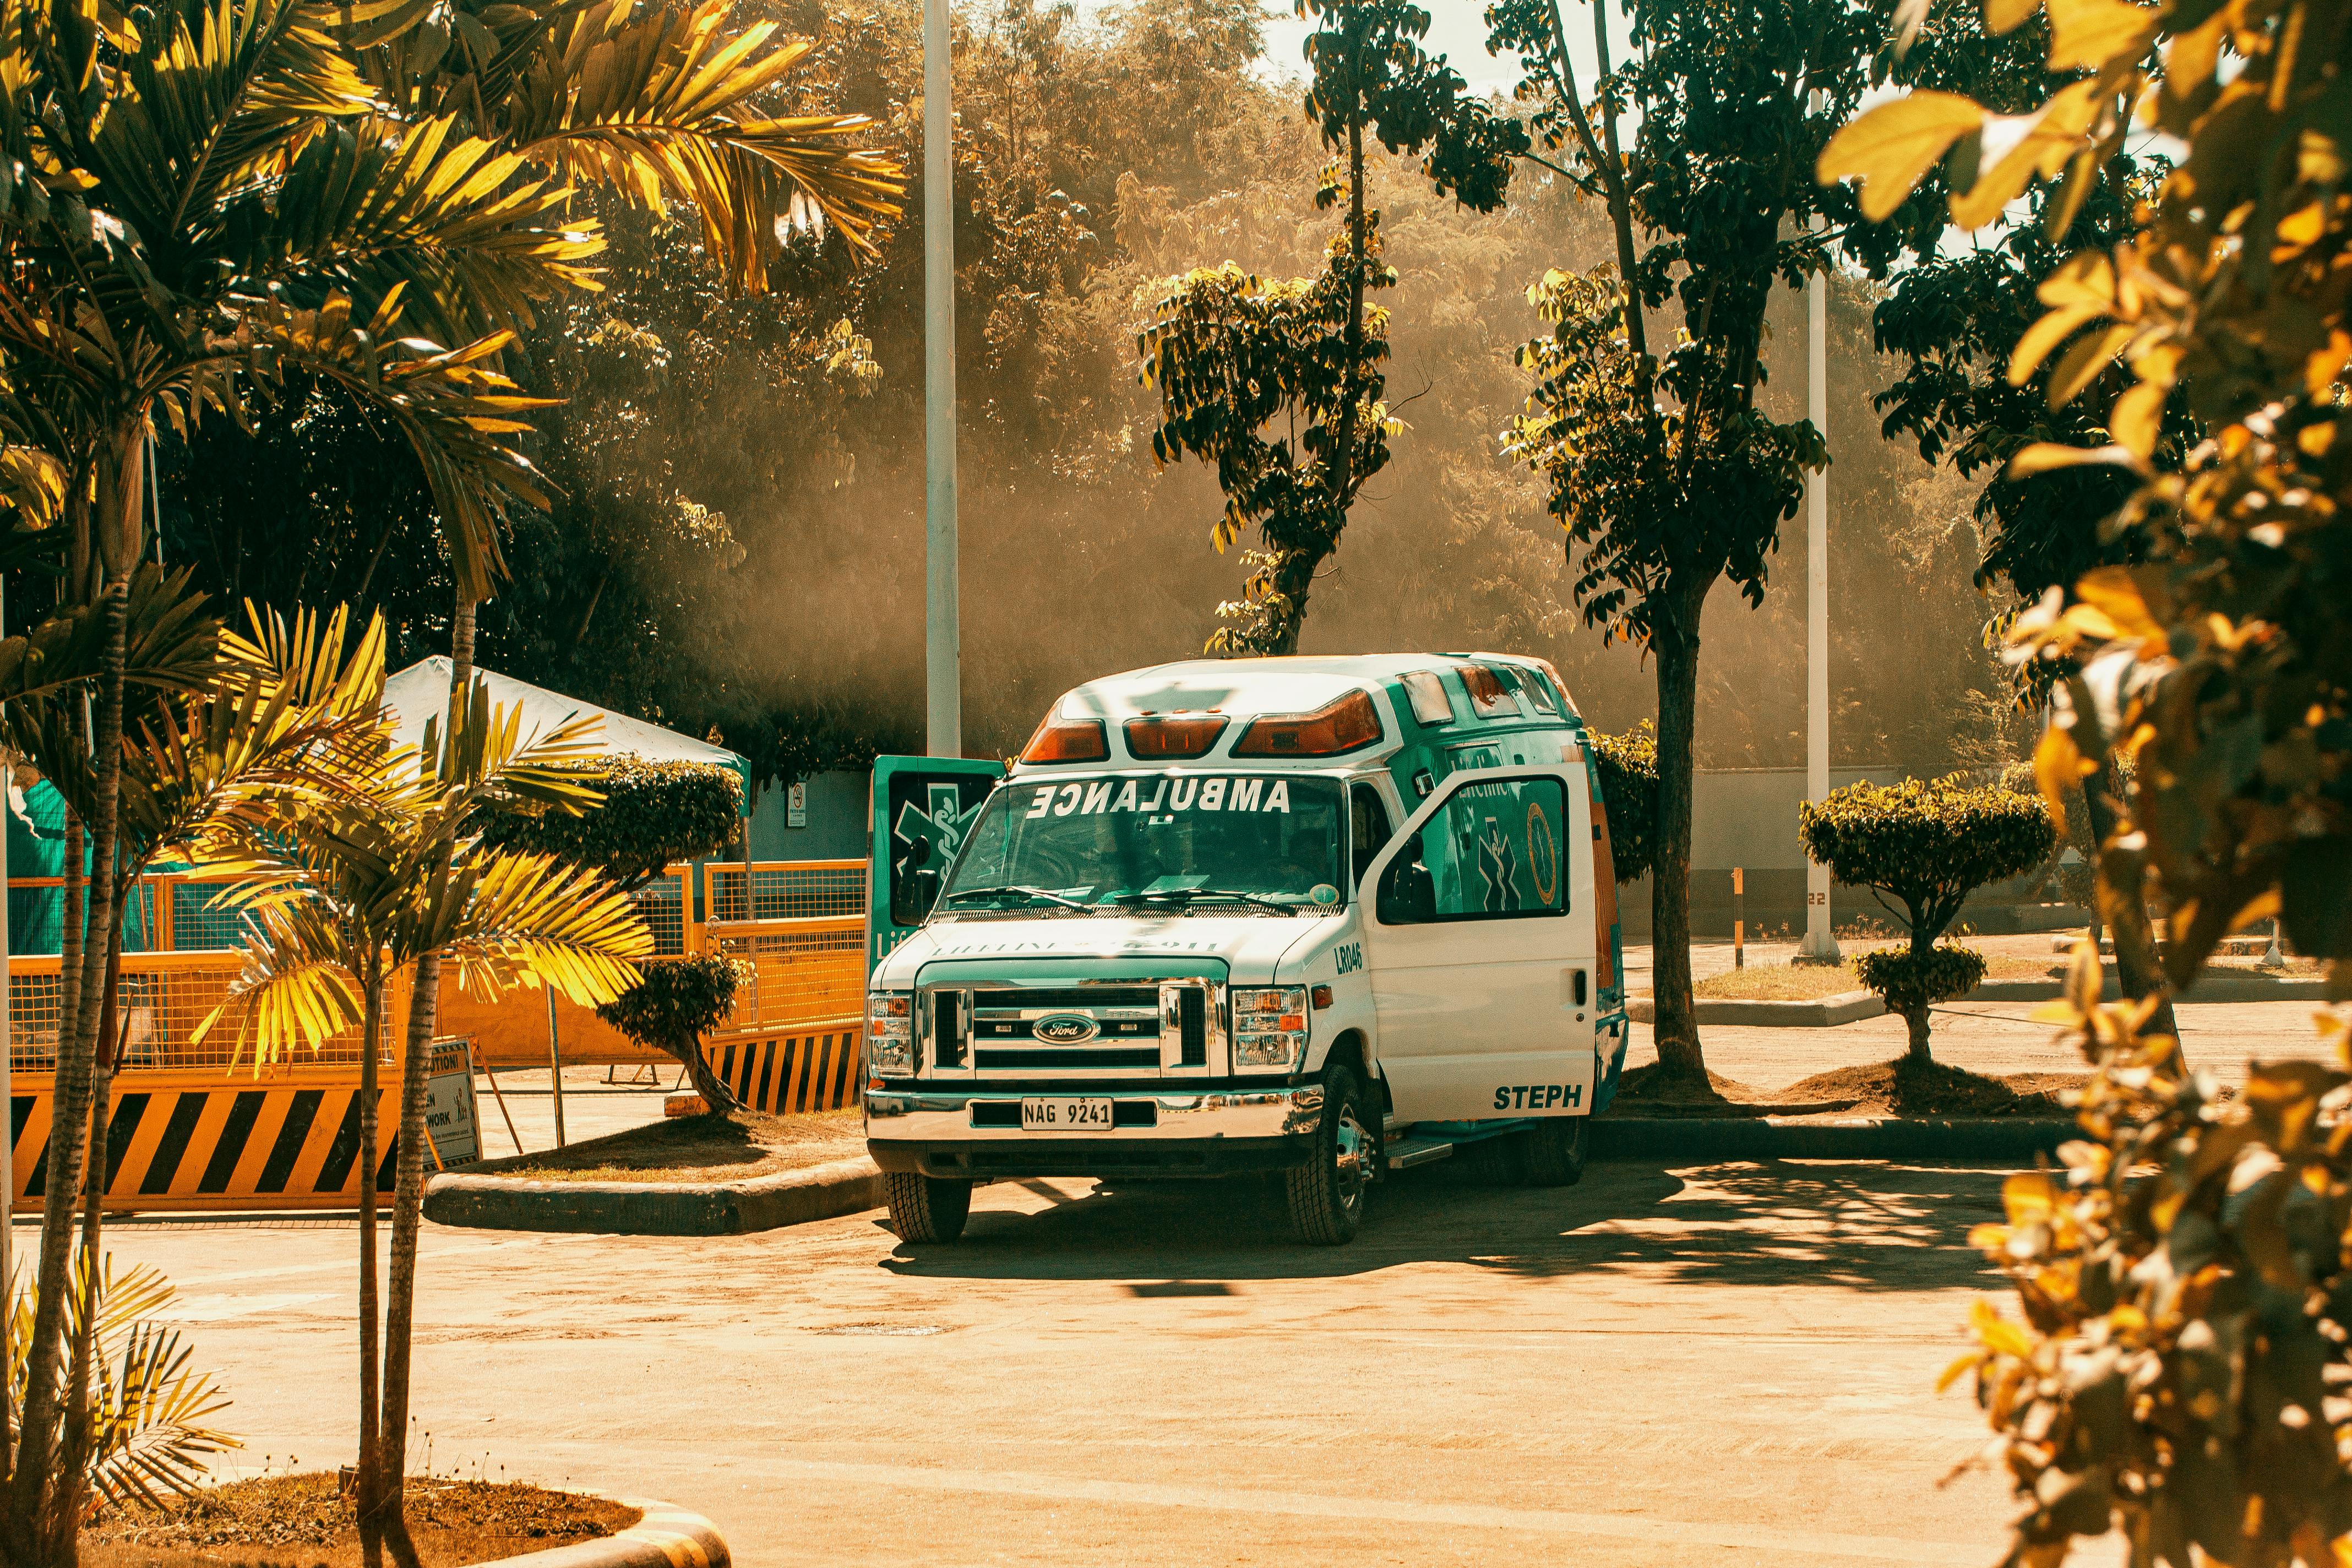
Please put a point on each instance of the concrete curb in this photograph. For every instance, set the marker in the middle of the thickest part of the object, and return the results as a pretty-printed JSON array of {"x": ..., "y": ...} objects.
[
  {"x": 1821, "y": 1012},
  {"x": 2208, "y": 988},
  {"x": 2003, "y": 1138},
  {"x": 656, "y": 1208},
  {"x": 666, "y": 1536}
]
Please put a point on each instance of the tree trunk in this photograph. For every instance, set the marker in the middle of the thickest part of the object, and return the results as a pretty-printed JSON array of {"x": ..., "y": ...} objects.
[
  {"x": 705, "y": 1077},
  {"x": 369, "y": 1503},
  {"x": 2135, "y": 980},
  {"x": 35, "y": 1484},
  {"x": 1916, "y": 1020},
  {"x": 73, "y": 1471},
  {"x": 408, "y": 1193},
  {"x": 1675, "y": 649}
]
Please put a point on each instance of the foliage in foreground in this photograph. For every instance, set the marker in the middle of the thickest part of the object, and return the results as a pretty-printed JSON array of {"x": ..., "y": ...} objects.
[
  {"x": 143, "y": 1431},
  {"x": 678, "y": 1003},
  {"x": 2181, "y": 1365},
  {"x": 1927, "y": 846}
]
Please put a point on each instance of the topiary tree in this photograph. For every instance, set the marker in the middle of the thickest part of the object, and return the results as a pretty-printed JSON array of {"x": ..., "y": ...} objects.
[
  {"x": 1629, "y": 793},
  {"x": 675, "y": 1004},
  {"x": 1927, "y": 846},
  {"x": 654, "y": 815}
]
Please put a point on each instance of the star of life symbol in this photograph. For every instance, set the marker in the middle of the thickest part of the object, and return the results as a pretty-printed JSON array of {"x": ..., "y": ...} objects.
[
  {"x": 942, "y": 828},
  {"x": 1498, "y": 865}
]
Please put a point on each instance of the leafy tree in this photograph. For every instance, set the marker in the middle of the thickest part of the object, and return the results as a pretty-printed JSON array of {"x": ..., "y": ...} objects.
[
  {"x": 1927, "y": 847},
  {"x": 653, "y": 815},
  {"x": 1664, "y": 468},
  {"x": 1279, "y": 384},
  {"x": 679, "y": 1000}
]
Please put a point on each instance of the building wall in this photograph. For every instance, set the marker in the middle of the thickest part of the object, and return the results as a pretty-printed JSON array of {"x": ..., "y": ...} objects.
[{"x": 835, "y": 828}]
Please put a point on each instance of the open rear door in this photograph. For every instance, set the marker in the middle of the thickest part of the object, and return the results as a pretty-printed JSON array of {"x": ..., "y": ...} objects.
[
  {"x": 920, "y": 809},
  {"x": 1480, "y": 941}
]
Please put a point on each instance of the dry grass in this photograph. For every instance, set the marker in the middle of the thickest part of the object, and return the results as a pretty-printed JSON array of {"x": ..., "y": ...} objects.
[
  {"x": 304, "y": 1522},
  {"x": 1811, "y": 982},
  {"x": 696, "y": 1148},
  {"x": 1899, "y": 1087}
]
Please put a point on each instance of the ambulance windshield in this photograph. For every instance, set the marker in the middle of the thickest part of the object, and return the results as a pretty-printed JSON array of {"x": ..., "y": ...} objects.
[{"x": 1164, "y": 841}]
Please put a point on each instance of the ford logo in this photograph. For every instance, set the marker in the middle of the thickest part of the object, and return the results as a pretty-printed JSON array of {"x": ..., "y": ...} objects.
[{"x": 1066, "y": 1029}]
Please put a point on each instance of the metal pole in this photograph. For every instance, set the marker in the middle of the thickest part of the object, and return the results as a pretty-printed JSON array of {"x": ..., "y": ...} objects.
[
  {"x": 7, "y": 1044},
  {"x": 1738, "y": 918},
  {"x": 554, "y": 1063},
  {"x": 943, "y": 656},
  {"x": 1820, "y": 943}
]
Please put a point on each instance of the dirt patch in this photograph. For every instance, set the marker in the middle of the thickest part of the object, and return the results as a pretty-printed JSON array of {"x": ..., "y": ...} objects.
[
  {"x": 1881, "y": 1089},
  {"x": 305, "y": 1521},
  {"x": 706, "y": 1148},
  {"x": 1906, "y": 1088},
  {"x": 1811, "y": 982}
]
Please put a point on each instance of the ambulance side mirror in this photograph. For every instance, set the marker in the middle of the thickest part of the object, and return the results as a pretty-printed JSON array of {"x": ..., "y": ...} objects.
[
  {"x": 1408, "y": 895},
  {"x": 922, "y": 892}
]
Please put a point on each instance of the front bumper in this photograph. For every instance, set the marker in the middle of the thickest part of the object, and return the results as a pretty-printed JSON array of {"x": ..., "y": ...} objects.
[{"x": 1203, "y": 1133}]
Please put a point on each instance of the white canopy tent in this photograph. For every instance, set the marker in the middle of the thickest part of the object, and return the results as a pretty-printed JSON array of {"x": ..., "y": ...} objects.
[{"x": 421, "y": 692}]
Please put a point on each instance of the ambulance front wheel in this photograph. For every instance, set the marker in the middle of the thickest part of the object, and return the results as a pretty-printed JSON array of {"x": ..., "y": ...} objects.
[
  {"x": 1551, "y": 1154},
  {"x": 1327, "y": 1193},
  {"x": 927, "y": 1208}
]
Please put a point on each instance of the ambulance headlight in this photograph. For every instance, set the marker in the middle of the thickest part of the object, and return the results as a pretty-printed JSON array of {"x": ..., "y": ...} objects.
[
  {"x": 889, "y": 1034},
  {"x": 1269, "y": 1028}
]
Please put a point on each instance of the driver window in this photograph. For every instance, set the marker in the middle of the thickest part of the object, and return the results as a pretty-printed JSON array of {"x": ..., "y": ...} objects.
[
  {"x": 1367, "y": 828},
  {"x": 1492, "y": 851}
]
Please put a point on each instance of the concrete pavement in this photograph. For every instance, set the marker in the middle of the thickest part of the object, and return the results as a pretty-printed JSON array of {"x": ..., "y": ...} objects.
[{"x": 1730, "y": 1364}]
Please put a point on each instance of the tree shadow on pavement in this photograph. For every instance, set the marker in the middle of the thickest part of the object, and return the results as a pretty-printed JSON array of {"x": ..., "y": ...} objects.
[{"x": 1865, "y": 1226}]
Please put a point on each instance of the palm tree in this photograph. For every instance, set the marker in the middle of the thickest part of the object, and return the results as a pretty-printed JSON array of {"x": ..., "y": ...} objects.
[
  {"x": 214, "y": 193},
  {"x": 344, "y": 894},
  {"x": 288, "y": 712}
]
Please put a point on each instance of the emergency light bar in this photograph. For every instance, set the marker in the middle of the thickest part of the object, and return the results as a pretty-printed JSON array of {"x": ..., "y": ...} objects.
[
  {"x": 1174, "y": 736},
  {"x": 1346, "y": 723},
  {"x": 1067, "y": 741}
]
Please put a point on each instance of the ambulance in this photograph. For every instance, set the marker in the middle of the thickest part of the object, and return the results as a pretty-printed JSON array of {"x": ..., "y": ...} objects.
[{"x": 1325, "y": 918}]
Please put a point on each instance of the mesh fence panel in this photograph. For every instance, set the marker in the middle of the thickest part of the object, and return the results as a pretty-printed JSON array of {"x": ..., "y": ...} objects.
[
  {"x": 788, "y": 890},
  {"x": 812, "y": 975},
  {"x": 661, "y": 903},
  {"x": 196, "y": 925},
  {"x": 160, "y": 1004}
]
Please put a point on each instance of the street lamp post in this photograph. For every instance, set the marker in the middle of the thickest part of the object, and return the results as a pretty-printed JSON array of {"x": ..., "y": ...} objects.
[
  {"x": 1820, "y": 943},
  {"x": 942, "y": 651}
]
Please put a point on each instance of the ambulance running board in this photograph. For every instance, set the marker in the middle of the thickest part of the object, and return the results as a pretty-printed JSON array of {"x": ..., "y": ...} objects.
[
  {"x": 1407, "y": 1152},
  {"x": 1427, "y": 1143}
]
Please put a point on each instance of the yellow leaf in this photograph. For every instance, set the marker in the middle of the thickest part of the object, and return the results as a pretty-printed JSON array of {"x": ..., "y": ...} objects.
[
  {"x": 2042, "y": 457},
  {"x": 2084, "y": 363},
  {"x": 2139, "y": 418},
  {"x": 2088, "y": 278},
  {"x": 2082, "y": 977},
  {"x": 1892, "y": 147},
  {"x": 2028, "y": 1197},
  {"x": 2000, "y": 1335},
  {"x": 2321, "y": 371},
  {"x": 2007, "y": 15},
  {"x": 2058, "y": 766},
  {"x": 2116, "y": 593},
  {"x": 1968, "y": 1362},
  {"x": 2085, "y": 34},
  {"x": 2053, "y": 329},
  {"x": 2044, "y": 141}
]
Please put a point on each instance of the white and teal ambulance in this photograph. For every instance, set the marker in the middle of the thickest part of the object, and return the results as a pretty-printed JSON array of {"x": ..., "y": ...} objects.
[{"x": 1324, "y": 917}]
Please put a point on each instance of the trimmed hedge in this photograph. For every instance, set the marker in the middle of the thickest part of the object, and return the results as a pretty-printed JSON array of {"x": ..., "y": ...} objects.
[
  {"x": 654, "y": 813},
  {"x": 1926, "y": 844},
  {"x": 1629, "y": 793},
  {"x": 1907, "y": 981},
  {"x": 679, "y": 1000}
]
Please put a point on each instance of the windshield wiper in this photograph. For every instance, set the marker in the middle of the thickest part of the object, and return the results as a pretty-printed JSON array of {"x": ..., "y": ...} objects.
[
  {"x": 1190, "y": 896},
  {"x": 1044, "y": 893}
]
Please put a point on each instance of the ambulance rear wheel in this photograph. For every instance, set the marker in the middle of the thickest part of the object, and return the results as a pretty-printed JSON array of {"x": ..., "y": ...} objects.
[
  {"x": 927, "y": 1208},
  {"x": 1327, "y": 1195},
  {"x": 1551, "y": 1154}
]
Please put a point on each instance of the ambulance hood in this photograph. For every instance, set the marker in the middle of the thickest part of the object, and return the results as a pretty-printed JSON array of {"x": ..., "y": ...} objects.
[{"x": 1251, "y": 946}]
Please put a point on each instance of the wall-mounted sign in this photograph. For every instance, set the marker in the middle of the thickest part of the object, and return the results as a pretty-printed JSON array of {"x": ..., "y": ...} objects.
[{"x": 796, "y": 806}]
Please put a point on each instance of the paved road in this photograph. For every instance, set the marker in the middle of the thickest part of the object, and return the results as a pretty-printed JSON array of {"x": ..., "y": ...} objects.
[{"x": 1730, "y": 1364}]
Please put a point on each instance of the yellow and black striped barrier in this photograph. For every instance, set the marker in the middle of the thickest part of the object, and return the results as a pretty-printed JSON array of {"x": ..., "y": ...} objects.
[
  {"x": 780, "y": 1073},
  {"x": 290, "y": 1139}
]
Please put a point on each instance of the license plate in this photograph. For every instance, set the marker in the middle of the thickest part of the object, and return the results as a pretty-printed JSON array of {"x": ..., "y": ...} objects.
[{"x": 1066, "y": 1116}]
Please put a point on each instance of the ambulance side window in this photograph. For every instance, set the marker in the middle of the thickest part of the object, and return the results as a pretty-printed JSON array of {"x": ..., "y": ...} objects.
[
  {"x": 1367, "y": 828},
  {"x": 1494, "y": 851}
]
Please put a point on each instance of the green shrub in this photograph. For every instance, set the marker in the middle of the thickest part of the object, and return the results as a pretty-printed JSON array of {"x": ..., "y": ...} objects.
[
  {"x": 1629, "y": 793},
  {"x": 1927, "y": 846},
  {"x": 1904, "y": 980},
  {"x": 679, "y": 1000},
  {"x": 654, "y": 813}
]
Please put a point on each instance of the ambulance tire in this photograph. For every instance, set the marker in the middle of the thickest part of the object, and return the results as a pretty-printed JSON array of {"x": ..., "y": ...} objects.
[
  {"x": 1327, "y": 1194},
  {"x": 927, "y": 1208},
  {"x": 1551, "y": 1154}
]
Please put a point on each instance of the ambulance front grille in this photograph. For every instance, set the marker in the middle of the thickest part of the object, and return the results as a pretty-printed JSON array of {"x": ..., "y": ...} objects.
[{"x": 1123, "y": 1029}]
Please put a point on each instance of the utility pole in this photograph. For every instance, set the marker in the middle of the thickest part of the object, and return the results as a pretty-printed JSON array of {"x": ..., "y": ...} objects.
[
  {"x": 942, "y": 636},
  {"x": 1820, "y": 943}
]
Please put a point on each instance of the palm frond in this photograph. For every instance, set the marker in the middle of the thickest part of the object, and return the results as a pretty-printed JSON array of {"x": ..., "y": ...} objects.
[
  {"x": 659, "y": 102},
  {"x": 295, "y": 986},
  {"x": 169, "y": 643},
  {"x": 531, "y": 917}
]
